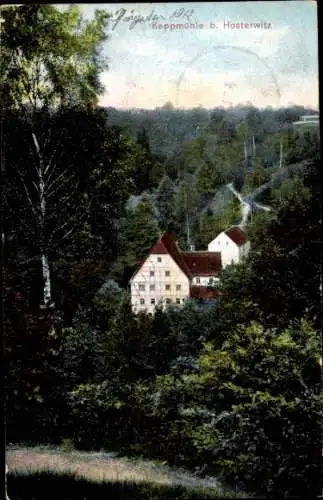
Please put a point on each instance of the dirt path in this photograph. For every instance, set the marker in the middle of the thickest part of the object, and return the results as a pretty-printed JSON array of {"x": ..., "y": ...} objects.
[{"x": 100, "y": 466}]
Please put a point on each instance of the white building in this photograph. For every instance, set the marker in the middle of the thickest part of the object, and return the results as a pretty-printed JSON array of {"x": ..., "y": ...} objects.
[
  {"x": 232, "y": 244},
  {"x": 170, "y": 276},
  {"x": 307, "y": 121}
]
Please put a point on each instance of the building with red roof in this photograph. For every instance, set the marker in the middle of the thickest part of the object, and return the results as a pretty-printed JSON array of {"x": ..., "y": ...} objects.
[
  {"x": 170, "y": 276},
  {"x": 232, "y": 244}
]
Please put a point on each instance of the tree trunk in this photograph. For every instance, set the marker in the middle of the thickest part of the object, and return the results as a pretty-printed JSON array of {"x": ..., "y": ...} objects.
[
  {"x": 6, "y": 492},
  {"x": 47, "y": 294}
]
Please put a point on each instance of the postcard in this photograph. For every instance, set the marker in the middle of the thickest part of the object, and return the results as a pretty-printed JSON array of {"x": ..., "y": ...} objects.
[{"x": 161, "y": 240}]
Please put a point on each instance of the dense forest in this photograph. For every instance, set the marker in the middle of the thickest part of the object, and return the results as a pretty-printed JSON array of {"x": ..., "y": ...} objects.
[{"x": 230, "y": 388}]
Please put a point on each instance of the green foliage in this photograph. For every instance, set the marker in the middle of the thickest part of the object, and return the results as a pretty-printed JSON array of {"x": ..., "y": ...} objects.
[
  {"x": 285, "y": 260},
  {"x": 264, "y": 434},
  {"x": 94, "y": 416},
  {"x": 54, "y": 56},
  {"x": 91, "y": 177},
  {"x": 258, "y": 176},
  {"x": 106, "y": 303},
  {"x": 139, "y": 231},
  {"x": 32, "y": 376},
  {"x": 213, "y": 224},
  {"x": 243, "y": 131},
  {"x": 165, "y": 201}
]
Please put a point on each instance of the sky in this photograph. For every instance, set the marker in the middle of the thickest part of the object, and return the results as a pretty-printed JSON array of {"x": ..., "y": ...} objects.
[{"x": 198, "y": 54}]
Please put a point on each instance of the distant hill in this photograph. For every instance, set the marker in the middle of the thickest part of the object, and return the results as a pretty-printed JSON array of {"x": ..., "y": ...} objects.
[{"x": 168, "y": 129}]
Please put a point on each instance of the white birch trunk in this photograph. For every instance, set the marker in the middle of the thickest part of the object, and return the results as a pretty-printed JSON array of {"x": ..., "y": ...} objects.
[
  {"x": 6, "y": 492},
  {"x": 45, "y": 265},
  {"x": 245, "y": 150},
  {"x": 47, "y": 294},
  {"x": 47, "y": 283},
  {"x": 281, "y": 155},
  {"x": 254, "y": 146}
]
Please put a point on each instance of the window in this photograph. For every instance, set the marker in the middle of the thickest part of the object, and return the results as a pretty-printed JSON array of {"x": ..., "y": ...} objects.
[
  {"x": 142, "y": 301},
  {"x": 183, "y": 300},
  {"x": 167, "y": 273},
  {"x": 151, "y": 287},
  {"x": 197, "y": 280},
  {"x": 178, "y": 301},
  {"x": 168, "y": 301},
  {"x": 158, "y": 259},
  {"x": 167, "y": 287},
  {"x": 152, "y": 301},
  {"x": 142, "y": 287},
  {"x": 152, "y": 273},
  {"x": 178, "y": 287}
]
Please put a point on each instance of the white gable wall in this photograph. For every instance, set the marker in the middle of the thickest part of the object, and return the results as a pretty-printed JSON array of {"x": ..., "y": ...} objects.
[
  {"x": 244, "y": 250},
  {"x": 229, "y": 250},
  {"x": 159, "y": 281}
]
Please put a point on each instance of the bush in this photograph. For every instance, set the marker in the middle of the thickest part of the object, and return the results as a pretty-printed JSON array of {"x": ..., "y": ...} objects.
[{"x": 262, "y": 390}]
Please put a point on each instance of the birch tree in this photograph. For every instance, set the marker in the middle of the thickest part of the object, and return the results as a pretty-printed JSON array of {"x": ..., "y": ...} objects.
[{"x": 50, "y": 60}]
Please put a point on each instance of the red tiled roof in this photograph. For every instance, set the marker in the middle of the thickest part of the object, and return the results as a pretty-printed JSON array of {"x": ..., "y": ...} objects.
[
  {"x": 203, "y": 263},
  {"x": 191, "y": 263},
  {"x": 166, "y": 245},
  {"x": 167, "y": 242},
  {"x": 203, "y": 292},
  {"x": 236, "y": 235}
]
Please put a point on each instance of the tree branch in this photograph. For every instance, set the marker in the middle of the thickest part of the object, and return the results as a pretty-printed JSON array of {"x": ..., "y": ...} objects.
[
  {"x": 49, "y": 191},
  {"x": 70, "y": 221},
  {"x": 52, "y": 156},
  {"x": 28, "y": 196}
]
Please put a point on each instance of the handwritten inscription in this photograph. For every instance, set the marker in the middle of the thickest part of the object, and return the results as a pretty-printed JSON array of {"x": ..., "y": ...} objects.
[{"x": 132, "y": 19}]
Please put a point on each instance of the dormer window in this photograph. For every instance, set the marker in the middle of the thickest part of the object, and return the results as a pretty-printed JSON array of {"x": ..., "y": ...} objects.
[{"x": 198, "y": 281}]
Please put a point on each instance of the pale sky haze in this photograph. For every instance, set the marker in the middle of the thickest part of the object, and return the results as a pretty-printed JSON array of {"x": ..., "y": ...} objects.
[{"x": 210, "y": 67}]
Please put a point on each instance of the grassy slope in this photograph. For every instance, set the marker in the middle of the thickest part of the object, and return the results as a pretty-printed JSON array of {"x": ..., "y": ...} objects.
[{"x": 53, "y": 474}]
